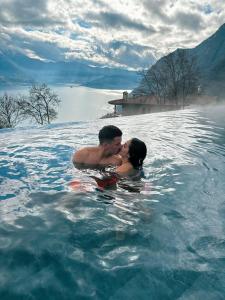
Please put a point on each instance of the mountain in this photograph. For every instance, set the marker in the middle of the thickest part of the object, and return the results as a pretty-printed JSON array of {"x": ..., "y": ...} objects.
[
  {"x": 16, "y": 69},
  {"x": 210, "y": 59}
]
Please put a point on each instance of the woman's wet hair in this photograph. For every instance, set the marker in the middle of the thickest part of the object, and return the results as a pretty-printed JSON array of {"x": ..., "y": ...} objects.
[
  {"x": 137, "y": 153},
  {"x": 108, "y": 133}
]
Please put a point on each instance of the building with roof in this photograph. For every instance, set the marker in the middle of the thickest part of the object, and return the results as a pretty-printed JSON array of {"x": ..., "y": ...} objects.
[{"x": 140, "y": 105}]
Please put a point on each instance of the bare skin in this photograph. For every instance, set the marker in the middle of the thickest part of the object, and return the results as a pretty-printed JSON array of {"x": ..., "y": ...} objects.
[
  {"x": 126, "y": 168},
  {"x": 102, "y": 155}
]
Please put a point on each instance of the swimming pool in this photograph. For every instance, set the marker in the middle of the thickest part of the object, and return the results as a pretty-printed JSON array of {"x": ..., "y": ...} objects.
[{"x": 165, "y": 242}]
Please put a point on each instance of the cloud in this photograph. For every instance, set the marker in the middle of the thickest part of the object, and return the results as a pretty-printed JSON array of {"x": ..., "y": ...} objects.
[
  {"x": 116, "y": 54},
  {"x": 191, "y": 21},
  {"x": 158, "y": 10},
  {"x": 128, "y": 34},
  {"x": 118, "y": 21},
  {"x": 27, "y": 13},
  {"x": 131, "y": 54}
]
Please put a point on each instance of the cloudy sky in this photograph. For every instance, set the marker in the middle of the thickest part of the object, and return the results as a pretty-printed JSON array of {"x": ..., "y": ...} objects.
[{"x": 118, "y": 33}]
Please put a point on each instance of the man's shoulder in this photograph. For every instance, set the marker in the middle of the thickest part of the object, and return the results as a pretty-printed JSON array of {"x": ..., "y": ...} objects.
[{"x": 81, "y": 155}]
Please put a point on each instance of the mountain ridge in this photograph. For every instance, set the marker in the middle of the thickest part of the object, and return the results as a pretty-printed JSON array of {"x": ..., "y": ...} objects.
[
  {"x": 210, "y": 59},
  {"x": 19, "y": 69}
]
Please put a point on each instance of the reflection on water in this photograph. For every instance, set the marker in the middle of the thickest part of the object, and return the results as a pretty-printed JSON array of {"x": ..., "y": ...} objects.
[{"x": 158, "y": 238}]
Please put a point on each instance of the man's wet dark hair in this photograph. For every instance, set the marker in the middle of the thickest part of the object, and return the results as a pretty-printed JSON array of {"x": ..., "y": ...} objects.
[
  {"x": 137, "y": 153},
  {"x": 108, "y": 133}
]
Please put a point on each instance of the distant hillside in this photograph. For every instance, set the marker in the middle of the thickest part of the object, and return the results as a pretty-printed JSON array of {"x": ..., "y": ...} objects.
[
  {"x": 210, "y": 56},
  {"x": 19, "y": 69}
]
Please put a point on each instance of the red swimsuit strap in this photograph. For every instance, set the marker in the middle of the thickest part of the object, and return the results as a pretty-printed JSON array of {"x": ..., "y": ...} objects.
[{"x": 107, "y": 181}]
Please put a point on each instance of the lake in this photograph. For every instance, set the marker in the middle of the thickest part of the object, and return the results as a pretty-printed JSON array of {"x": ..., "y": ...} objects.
[{"x": 78, "y": 103}]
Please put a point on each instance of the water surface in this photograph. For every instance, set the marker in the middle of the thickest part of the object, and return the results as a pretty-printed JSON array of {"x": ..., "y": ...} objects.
[{"x": 166, "y": 241}]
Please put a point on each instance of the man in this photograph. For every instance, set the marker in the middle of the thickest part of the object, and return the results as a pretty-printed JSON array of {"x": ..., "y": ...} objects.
[{"x": 105, "y": 153}]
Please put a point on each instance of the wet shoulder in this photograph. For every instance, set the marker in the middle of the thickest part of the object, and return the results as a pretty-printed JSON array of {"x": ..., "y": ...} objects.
[
  {"x": 83, "y": 155},
  {"x": 125, "y": 169}
]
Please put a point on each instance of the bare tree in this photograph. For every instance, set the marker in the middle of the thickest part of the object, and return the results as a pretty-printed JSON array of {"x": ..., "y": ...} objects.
[
  {"x": 41, "y": 104},
  {"x": 146, "y": 84},
  {"x": 10, "y": 114},
  {"x": 173, "y": 71},
  {"x": 188, "y": 79},
  {"x": 155, "y": 82},
  {"x": 173, "y": 78}
]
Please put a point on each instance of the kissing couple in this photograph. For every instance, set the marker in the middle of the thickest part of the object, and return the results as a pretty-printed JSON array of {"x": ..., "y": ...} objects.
[{"x": 127, "y": 159}]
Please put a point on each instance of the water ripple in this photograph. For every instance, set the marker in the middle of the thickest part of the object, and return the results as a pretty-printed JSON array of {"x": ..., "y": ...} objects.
[{"x": 161, "y": 238}]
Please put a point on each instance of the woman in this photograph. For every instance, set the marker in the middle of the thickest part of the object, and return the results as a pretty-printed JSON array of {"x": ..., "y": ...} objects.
[{"x": 133, "y": 154}]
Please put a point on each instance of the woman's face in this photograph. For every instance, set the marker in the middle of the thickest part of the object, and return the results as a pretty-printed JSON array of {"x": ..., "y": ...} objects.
[{"x": 124, "y": 152}]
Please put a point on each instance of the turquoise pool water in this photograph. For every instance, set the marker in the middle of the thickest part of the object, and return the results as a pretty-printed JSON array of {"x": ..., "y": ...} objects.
[{"x": 166, "y": 241}]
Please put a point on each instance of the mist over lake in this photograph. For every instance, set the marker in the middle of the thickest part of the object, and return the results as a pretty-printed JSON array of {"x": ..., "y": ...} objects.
[{"x": 78, "y": 103}]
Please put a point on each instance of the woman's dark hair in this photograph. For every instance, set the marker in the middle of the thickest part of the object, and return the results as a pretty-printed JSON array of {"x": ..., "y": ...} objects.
[{"x": 137, "y": 153}]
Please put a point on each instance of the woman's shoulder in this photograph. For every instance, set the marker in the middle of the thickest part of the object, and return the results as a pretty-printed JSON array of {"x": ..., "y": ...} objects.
[{"x": 124, "y": 169}]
